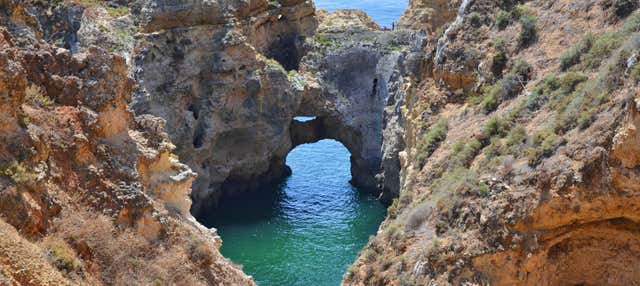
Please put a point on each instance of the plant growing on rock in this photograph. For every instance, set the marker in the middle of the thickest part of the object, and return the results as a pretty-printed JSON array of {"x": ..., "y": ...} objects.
[
  {"x": 543, "y": 144},
  {"x": 430, "y": 142},
  {"x": 418, "y": 216},
  {"x": 35, "y": 96},
  {"x": 503, "y": 19},
  {"x": 499, "y": 59},
  {"x": 61, "y": 255},
  {"x": 528, "y": 32},
  {"x": 572, "y": 56},
  {"x": 19, "y": 173}
]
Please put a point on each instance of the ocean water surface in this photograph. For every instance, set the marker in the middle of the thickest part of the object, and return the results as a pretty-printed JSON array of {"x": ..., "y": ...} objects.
[
  {"x": 384, "y": 12},
  {"x": 307, "y": 230}
]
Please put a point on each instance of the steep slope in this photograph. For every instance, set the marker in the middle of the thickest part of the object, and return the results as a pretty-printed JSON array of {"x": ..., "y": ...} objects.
[
  {"x": 520, "y": 166},
  {"x": 89, "y": 193}
]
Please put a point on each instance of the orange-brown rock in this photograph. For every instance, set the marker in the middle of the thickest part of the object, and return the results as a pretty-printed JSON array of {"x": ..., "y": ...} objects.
[
  {"x": 88, "y": 191},
  {"x": 538, "y": 187}
]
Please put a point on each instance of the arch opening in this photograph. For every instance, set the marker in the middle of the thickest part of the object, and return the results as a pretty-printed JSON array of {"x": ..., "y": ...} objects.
[{"x": 363, "y": 170}]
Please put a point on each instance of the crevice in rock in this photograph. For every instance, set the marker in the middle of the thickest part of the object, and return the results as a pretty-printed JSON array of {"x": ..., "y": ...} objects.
[
  {"x": 375, "y": 87},
  {"x": 199, "y": 135},
  {"x": 287, "y": 50}
]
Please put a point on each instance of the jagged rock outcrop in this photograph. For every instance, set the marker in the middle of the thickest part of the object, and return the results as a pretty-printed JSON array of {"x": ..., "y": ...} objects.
[
  {"x": 519, "y": 167},
  {"x": 89, "y": 193},
  {"x": 428, "y": 15},
  {"x": 228, "y": 107},
  {"x": 357, "y": 71}
]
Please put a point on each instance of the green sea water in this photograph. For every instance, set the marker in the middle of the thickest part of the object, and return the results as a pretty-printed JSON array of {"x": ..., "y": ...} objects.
[{"x": 307, "y": 230}]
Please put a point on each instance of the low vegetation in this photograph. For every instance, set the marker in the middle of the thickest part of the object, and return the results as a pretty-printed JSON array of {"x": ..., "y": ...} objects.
[
  {"x": 19, "y": 173},
  {"x": 430, "y": 142},
  {"x": 528, "y": 32},
  {"x": 36, "y": 96},
  {"x": 500, "y": 59},
  {"x": 572, "y": 56},
  {"x": 61, "y": 255},
  {"x": 507, "y": 87}
]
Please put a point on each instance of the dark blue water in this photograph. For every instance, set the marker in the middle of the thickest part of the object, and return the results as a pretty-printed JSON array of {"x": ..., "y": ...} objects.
[
  {"x": 306, "y": 231},
  {"x": 384, "y": 12}
]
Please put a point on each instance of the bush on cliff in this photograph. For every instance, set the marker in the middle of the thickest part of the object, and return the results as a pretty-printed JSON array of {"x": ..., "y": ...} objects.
[
  {"x": 430, "y": 142},
  {"x": 528, "y": 34},
  {"x": 61, "y": 255}
]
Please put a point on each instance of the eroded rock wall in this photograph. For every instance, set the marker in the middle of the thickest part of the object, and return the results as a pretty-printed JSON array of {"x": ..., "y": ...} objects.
[
  {"x": 228, "y": 107},
  {"x": 356, "y": 71},
  {"x": 89, "y": 193},
  {"x": 519, "y": 159}
]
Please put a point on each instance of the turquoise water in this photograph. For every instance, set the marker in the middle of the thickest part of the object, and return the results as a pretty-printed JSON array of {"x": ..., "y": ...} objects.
[
  {"x": 384, "y": 12},
  {"x": 307, "y": 230}
]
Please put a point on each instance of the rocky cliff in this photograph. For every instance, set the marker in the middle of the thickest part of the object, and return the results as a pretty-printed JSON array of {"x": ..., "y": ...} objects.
[
  {"x": 504, "y": 132},
  {"x": 519, "y": 166},
  {"x": 90, "y": 194},
  {"x": 227, "y": 103},
  {"x": 354, "y": 71}
]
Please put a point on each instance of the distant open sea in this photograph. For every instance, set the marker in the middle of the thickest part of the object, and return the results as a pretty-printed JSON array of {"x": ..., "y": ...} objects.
[{"x": 384, "y": 12}]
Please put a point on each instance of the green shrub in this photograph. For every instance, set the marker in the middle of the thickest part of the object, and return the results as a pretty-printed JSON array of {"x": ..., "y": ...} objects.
[
  {"x": 500, "y": 59},
  {"x": 528, "y": 34},
  {"x": 521, "y": 69},
  {"x": 516, "y": 136},
  {"x": 492, "y": 98},
  {"x": 505, "y": 88},
  {"x": 586, "y": 118},
  {"x": 632, "y": 24},
  {"x": 572, "y": 56},
  {"x": 464, "y": 153},
  {"x": 430, "y": 142},
  {"x": 458, "y": 180},
  {"x": 494, "y": 149},
  {"x": 601, "y": 49},
  {"x": 521, "y": 11},
  {"x": 544, "y": 143},
  {"x": 19, "y": 173},
  {"x": 541, "y": 92},
  {"x": 483, "y": 190},
  {"x": 511, "y": 145},
  {"x": 497, "y": 126},
  {"x": 498, "y": 62},
  {"x": 324, "y": 40},
  {"x": 503, "y": 19},
  {"x": 61, "y": 255},
  {"x": 35, "y": 96},
  {"x": 474, "y": 18},
  {"x": 635, "y": 72},
  {"x": 570, "y": 80},
  {"x": 118, "y": 11}
]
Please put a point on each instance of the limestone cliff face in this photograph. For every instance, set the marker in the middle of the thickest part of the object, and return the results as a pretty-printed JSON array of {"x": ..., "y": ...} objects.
[
  {"x": 357, "y": 73},
  {"x": 228, "y": 107},
  {"x": 519, "y": 166},
  {"x": 428, "y": 15},
  {"x": 89, "y": 193}
]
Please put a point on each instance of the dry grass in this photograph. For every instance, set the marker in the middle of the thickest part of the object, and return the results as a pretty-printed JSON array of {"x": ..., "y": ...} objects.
[{"x": 121, "y": 257}]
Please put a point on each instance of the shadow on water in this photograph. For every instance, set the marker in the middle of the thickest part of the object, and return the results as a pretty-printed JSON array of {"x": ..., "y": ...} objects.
[{"x": 255, "y": 208}]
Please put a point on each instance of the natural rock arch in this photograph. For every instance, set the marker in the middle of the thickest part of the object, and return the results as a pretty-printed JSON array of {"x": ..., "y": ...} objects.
[{"x": 363, "y": 170}]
